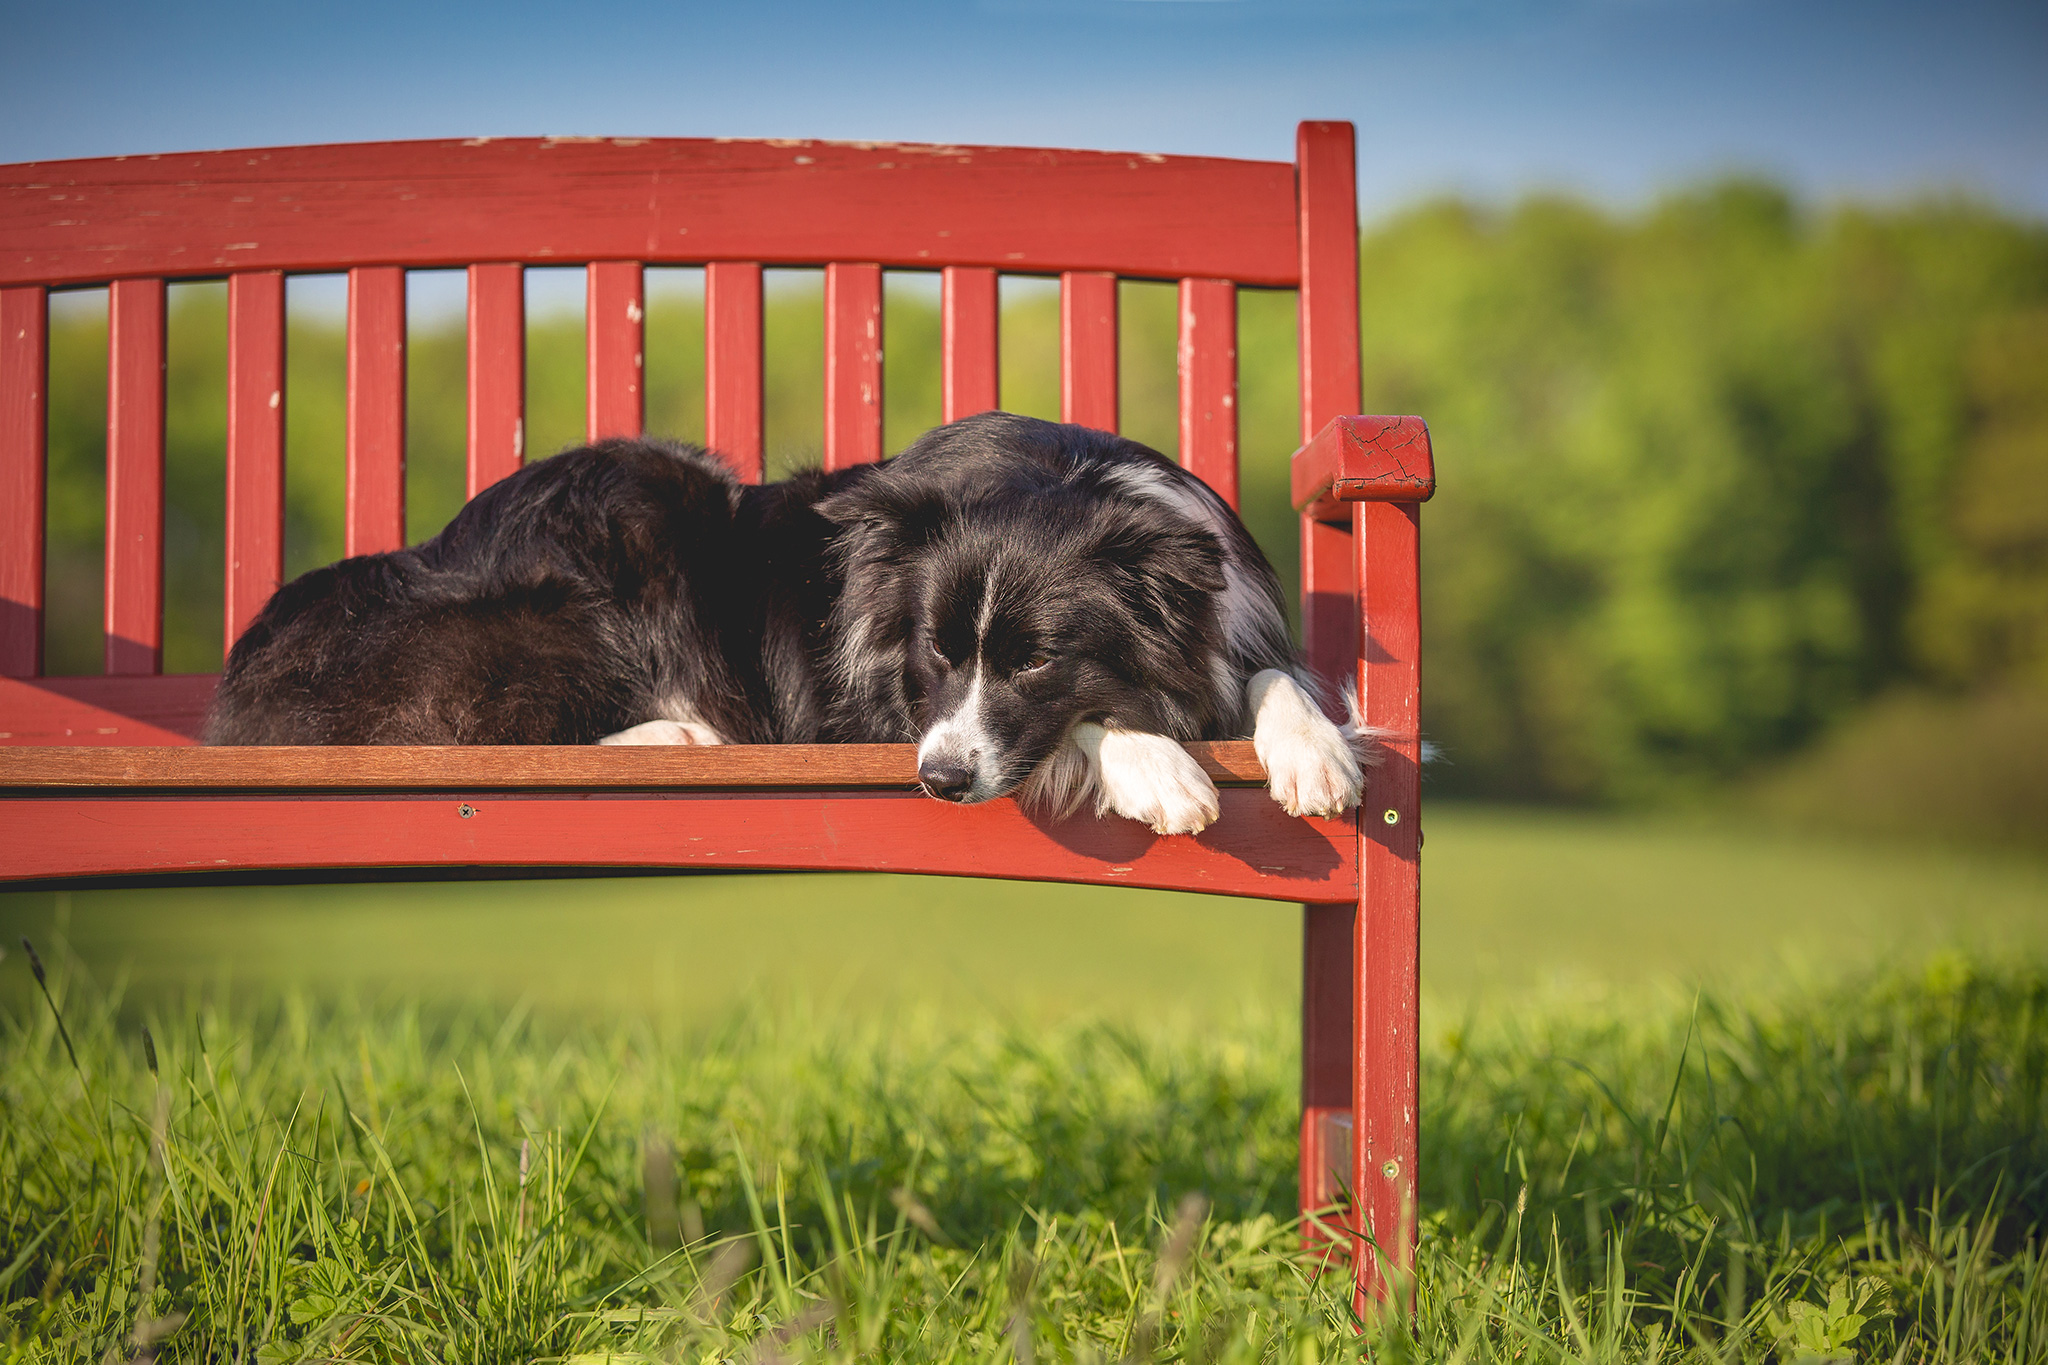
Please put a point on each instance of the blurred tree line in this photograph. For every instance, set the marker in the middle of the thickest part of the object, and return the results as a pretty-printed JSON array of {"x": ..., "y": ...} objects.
[
  {"x": 1715, "y": 477},
  {"x": 1722, "y": 480}
]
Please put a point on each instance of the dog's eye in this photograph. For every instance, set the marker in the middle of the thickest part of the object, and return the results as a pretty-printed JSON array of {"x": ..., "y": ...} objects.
[
  {"x": 937, "y": 653},
  {"x": 1038, "y": 663}
]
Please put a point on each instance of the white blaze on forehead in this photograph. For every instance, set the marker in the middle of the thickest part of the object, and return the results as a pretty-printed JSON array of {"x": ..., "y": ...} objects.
[
  {"x": 988, "y": 606},
  {"x": 960, "y": 737}
]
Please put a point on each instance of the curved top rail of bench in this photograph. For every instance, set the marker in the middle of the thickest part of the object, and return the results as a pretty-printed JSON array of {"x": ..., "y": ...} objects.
[{"x": 570, "y": 201}]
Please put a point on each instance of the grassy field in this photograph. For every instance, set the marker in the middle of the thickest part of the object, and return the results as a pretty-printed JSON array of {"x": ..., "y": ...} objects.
[{"x": 1689, "y": 1093}]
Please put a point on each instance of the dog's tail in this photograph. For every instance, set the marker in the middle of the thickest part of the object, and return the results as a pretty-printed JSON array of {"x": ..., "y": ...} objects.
[
  {"x": 1366, "y": 742},
  {"x": 1369, "y": 742}
]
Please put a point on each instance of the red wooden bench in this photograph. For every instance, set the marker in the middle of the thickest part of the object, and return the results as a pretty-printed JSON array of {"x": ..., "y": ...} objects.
[{"x": 99, "y": 775}]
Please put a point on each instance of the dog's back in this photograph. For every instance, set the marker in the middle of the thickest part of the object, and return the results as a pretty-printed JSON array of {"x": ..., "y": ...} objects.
[{"x": 565, "y": 603}]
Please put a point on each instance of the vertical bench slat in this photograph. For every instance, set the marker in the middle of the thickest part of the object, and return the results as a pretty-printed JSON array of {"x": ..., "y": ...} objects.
[
  {"x": 24, "y": 426},
  {"x": 616, "y": 344},
  {"x": 1208, "y": 383},
  {"x": 853, "y": 365},
  {"x": 255, "y": 454},
  {"x": 968, "y": 368},
  {"x": 135, "y": 477},
  {"x": 375, "y": 516},
  {"x": 732, "y": 366},
  {"x": 1088, "y": 379},
  {"x": 1327, "y": 184},
  {"x": 497, "y": 374}
]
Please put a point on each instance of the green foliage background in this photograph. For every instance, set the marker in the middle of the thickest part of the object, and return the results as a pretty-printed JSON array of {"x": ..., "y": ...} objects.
[
  {"x": 1729, "y": 486},
  {"x": 1715, "y": 476}
]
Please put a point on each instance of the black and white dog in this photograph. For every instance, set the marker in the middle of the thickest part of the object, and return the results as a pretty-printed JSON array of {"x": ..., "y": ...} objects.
[{"x": 1045, "y": 610}]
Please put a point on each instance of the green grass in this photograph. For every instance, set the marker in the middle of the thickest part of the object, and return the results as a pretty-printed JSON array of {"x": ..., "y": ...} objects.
[{"x": 904, "y": 1120}]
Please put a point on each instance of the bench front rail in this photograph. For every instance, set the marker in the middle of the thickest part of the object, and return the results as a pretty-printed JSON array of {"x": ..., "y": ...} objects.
[
  {"x": 154, "y": 811},
  {"x": 101, "y": 777}
]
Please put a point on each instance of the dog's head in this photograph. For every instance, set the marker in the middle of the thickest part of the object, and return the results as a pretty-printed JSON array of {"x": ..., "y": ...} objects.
[{"x": 987, "y": 620}]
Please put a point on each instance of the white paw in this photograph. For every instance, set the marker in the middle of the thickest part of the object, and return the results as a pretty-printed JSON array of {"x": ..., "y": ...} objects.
[
  {"x": 1311, "y": 768},
  {"x": 665, "y": 732},
  {"x": 1150, "y": 779}
]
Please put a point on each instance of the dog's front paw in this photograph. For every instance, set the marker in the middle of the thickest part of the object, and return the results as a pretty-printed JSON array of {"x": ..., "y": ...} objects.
[
  {"x": 665, "y": 732},
  {"x": 1311, "y": 767},
  {"x": 1153, "y": 780},
  {"x": 1311, "y": 773}
]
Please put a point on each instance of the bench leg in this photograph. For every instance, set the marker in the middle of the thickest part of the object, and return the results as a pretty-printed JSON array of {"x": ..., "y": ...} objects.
[
  {"x": 1384, "y": 1099},
  {"x": 1349, "y": 1089},
  {"x": 1326, "y": 1059}
]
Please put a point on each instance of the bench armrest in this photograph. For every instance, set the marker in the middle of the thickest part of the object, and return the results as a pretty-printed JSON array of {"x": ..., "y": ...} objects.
[{"x": 1363, "y": 459}]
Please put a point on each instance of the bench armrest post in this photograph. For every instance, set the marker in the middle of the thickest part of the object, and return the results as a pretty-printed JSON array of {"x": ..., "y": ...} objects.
[{"x": 1359, "y": 484}]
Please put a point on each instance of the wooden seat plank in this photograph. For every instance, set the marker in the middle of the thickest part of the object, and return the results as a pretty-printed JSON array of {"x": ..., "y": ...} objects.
[{"x": 503, "y": 767}]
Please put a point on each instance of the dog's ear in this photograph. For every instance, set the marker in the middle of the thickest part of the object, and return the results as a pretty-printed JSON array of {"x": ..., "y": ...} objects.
[
  {"x": 885, "y": 517},
  {"x": 1168, "y": 570}
]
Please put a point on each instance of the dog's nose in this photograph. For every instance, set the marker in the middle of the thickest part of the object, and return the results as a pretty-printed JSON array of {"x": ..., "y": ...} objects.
[{"x": 945, "y": 780}]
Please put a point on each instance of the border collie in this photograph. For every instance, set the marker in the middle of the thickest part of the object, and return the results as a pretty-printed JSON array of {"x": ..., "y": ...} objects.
[{"x": 1045, "y": 610}]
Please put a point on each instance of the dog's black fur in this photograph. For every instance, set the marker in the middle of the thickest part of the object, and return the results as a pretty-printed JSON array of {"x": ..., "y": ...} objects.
[
  {"x": 562, "y": 604},
  {"x": 1069, "y": 574}
]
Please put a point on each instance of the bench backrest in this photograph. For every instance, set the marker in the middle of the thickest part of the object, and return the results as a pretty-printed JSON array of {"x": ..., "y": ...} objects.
[{"x": 495, "y": 207}]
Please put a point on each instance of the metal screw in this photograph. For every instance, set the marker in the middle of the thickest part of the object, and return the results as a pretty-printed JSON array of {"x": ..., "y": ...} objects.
[
  {"x": 1391, "y": 1169},
  {"x": 465, "y": 810},
  {"x": 1392, "y": 817}
]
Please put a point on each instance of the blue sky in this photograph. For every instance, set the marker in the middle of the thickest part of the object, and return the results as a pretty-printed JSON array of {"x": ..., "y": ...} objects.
[{"x": 1616, "y": 99}]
